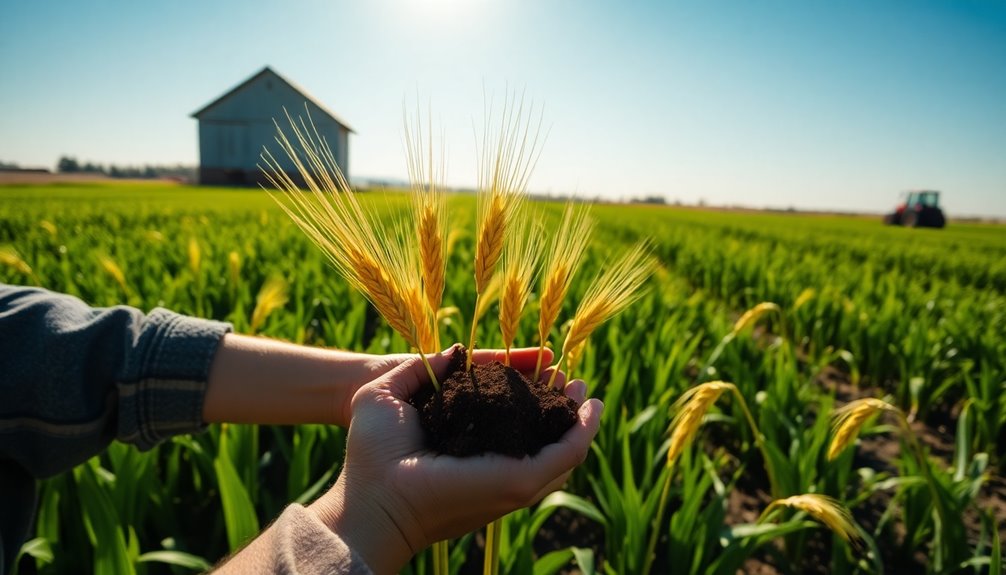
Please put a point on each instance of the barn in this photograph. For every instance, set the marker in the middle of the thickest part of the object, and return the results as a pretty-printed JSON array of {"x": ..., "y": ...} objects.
[{"x": 234, "y": 128}]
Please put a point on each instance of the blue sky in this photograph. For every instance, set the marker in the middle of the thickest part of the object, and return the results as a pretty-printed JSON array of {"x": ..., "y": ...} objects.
[{"x": 832, "y": 105}]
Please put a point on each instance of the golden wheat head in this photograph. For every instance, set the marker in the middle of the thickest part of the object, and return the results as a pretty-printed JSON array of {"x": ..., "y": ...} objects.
[
  {"x": 520, "y": 263},
  {"x": 565, "y": 252},
  {"x": 689, "y": 409},
  {"x": 507, "y": 155},
  {"x": 234, "y": 267},
  {"x": 372, "y": 261},
  {"x": 10, "y": 259},
  {"x": 429, "y": 210},
  {"x": 849, "y": 419},
  {"x": 616, "y": 287},
  {"x": 271, "y": 296},
  {"x": 827, "y": 510},
  {"x": 752, "y": 316},
  {"x": 805, "y": 296},
  {"x": 113, "y": 269},
  {"x": 195, "y": 256}
]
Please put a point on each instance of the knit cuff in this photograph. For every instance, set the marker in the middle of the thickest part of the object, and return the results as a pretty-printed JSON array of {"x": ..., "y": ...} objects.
[
  {"x": 173, "y": 362},
  {"x": 306, "y": 546}
]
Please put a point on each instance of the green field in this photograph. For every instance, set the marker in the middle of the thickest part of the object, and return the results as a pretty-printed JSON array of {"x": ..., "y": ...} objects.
[{"x": 917, "y": 317}]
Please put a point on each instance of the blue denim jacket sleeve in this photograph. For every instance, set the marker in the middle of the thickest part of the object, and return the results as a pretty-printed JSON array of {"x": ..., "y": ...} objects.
[{"x": 73, "y": 377}]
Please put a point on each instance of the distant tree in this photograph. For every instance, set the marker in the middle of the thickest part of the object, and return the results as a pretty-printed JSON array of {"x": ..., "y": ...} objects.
[{"x": 67, "y": 165}]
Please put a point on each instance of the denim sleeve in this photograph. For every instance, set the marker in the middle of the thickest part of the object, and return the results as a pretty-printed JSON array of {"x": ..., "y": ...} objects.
[{"x": 73, "y": 377}]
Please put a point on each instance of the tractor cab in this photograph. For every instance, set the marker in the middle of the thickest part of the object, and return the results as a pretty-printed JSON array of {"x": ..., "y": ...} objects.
[
  {"x": 920, "y": 208},
  {"x": 927, "y": 198}
]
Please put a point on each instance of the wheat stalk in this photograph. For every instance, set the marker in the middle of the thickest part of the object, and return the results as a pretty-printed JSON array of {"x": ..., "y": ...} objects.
[
  {"x": 690, "y": 408},
  {"x": 849, "y": 420},
  {"x": 565, "y": 252},
  {"x": 113, "y": 269},
  {"x": 430, "y": 215},
  {"x": 10, "y": 259},
  {"x": 689, "y": 411},
  {"x": 376, "y": 263},
  {"x": 617, "y": 286},
  {"x": 827, "y": 510},
  {"x": 271, "y": 296},
  {"x": 234, "y": 268},
  {"x": 751, "y": 316},
  {"x": 573, "y": 358},
  {"x": 507, "y": 156},
  {"x": 805, "y": 296},
  {"x": 195, "y": 256},
  {"x": 520, "y": 263}
]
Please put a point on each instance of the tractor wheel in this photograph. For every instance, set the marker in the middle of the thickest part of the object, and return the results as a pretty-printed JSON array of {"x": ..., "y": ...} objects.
[{"x": 910, "y": 220}]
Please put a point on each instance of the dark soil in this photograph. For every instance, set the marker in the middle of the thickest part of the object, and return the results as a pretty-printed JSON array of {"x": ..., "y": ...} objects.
[{"x": 492, "y": 408}]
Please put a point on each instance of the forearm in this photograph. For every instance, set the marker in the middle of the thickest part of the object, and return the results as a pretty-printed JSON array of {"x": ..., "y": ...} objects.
[{"x": 259, "y": 380}]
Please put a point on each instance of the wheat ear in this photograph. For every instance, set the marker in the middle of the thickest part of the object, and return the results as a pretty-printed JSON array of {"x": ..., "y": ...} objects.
[
  {"x": 615, "y": 288},
  {"x": 825, "y": 509},
  {"x": 751, "y": 316},
  {"x": 849, "y": 420},
  {"x": 271, "y": 296},
  {"x": 507, "y": 155},
  {"x": 565, "y": 253},
  {"x": 430, "y": 215},
  {"x": 372, "y": 261},
  {"x": 520, "y": 263}
]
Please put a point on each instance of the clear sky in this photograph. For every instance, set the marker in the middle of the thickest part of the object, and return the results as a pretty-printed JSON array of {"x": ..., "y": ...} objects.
[{"x": 810, "y": 104}]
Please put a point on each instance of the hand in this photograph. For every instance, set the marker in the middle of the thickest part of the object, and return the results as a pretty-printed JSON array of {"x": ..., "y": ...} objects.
[{"x": 394, "y": 497}]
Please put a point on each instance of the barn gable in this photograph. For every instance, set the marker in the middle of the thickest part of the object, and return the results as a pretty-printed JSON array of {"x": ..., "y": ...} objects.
[{"x": 234, "y": 128}]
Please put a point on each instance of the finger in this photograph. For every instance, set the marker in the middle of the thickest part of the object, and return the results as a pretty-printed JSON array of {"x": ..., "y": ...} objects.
[
  {"x": 558, "y": 458},
  {"x": 522, "y": 359},
  {"x": 576, "y": 390},
  {"x": 560, "y": 377}
]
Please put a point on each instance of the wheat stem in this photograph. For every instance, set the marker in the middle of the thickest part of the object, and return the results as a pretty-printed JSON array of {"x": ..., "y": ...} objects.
[{"x": 651, "y": 547}]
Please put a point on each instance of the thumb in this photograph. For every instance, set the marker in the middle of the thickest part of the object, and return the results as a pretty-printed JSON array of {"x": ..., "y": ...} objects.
[{"x": 412, "y": 375}]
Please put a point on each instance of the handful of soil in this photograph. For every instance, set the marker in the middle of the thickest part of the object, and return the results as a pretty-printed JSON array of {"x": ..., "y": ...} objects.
[{"x": 491, "y": 408}]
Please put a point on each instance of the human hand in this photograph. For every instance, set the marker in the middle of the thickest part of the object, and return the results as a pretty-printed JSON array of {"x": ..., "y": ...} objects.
[{"x": 394, "y": 497}]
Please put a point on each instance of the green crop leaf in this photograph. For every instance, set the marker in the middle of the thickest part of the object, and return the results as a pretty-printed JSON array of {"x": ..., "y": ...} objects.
[
  {"x": 176, "y": 558},
  {"x": 239, "y": 513}
]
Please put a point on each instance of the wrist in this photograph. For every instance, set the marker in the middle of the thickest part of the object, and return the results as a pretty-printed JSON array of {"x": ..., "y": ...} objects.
[{"x": 365, "y": 527}]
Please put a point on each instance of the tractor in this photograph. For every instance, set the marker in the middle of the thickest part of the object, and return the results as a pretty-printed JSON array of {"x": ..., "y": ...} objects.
[{"x": 920, "y": 209}]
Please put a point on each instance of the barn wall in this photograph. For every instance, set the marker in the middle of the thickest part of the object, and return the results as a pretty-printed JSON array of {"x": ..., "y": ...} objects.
[{"x": 233, "y": 132}]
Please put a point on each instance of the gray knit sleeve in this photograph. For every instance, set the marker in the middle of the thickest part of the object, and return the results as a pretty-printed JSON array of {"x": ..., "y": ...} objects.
[
  {"x": 305, "y": 546},
  {"x": 73, "y": 377}
]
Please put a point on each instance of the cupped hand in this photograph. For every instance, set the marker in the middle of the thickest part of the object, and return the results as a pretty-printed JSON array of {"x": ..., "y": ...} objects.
[{"x": 394, "y": 497}]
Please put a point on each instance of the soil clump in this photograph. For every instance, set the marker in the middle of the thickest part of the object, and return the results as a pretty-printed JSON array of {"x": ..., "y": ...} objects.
[{"x": 492, "y": 408}]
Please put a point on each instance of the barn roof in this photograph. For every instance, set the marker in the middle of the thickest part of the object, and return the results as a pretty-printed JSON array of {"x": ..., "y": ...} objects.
[{"x": 269, "y": 71}]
